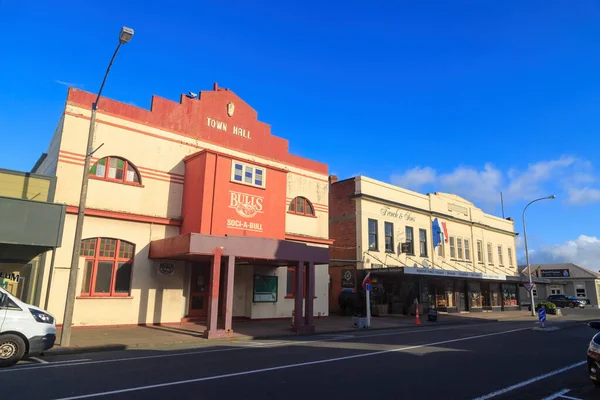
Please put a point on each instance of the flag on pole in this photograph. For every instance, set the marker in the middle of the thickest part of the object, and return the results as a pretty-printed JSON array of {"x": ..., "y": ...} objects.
[
  {"x": 366, "y": 281},
  {"x": 445, "y": 232},
  {"x": 438, "y": 234}
]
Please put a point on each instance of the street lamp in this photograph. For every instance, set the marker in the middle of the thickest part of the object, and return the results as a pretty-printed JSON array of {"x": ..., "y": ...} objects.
[
  {"x": 125, "y": 36},
  {"x": 527, "y": 250}
]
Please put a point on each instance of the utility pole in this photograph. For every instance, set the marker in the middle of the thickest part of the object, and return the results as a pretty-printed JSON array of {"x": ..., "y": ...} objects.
[
  {"x": 527, "y": 251},
  {"x": 65, "y": 338}
]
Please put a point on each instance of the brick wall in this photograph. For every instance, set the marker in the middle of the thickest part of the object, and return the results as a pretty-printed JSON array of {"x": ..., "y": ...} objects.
[
  {"x": 342, "y": 229},
  {"x": 335, "y": 275},
  {"x": 342, "y": 219}
]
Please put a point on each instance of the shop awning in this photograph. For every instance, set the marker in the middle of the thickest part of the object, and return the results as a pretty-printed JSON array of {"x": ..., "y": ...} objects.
[
  {"x": 29, "y": 227},
  {"x": 185, "y": 247},
  {"x": 525, "y": 279}
]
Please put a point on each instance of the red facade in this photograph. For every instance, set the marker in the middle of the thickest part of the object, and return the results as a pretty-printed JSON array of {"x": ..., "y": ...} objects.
[{"x": 214, "y": 204}]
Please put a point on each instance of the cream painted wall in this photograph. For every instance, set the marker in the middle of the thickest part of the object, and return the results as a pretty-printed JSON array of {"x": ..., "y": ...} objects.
[
  {"x": 154, "y": 298},
  {"x": 374, "y": 210},
  {"x": 284, "y": 307},
  {"x": 242, "y": 291},
  {"x": 462, "y": 218},
  {"x": 158, "y": 198},
  {"x": 317, "y": 192},
  {"x": 50, "y": 163}
]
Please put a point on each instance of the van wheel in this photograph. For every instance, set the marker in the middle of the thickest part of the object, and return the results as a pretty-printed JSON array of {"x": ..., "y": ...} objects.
[{"x": 12, "y": 350}]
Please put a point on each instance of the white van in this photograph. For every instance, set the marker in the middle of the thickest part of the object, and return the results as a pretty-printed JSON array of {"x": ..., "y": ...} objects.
[{"x": 25, "y": 330}]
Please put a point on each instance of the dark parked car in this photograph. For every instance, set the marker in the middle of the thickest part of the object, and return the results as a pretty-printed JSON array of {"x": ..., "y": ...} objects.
[
  {"x": 593, "y": 355},
  {"x": 562, "y": 300}
]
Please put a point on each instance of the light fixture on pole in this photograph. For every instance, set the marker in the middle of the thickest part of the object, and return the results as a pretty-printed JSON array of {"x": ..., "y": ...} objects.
[
  {"x": 527, "y": 250},
  {"x": 65, "y": 339}
]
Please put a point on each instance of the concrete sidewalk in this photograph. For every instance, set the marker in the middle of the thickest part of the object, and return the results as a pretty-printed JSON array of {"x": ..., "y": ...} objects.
[{"x": 85, "y": 340}]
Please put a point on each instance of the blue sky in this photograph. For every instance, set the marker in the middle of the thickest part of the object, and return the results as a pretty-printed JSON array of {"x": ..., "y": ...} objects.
[{"x": 468, "y": 97}]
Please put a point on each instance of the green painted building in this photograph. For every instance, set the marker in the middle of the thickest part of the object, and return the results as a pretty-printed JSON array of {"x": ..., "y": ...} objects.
[{"x": 31, "y": 227}]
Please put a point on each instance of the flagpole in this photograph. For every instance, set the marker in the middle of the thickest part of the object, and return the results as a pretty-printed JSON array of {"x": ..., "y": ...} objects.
[
  {"x": 366, "y": 284},
  {"x": 368, "y": 308}
]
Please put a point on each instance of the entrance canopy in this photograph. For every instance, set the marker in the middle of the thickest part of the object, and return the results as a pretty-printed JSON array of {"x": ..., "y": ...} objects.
[
  {"x": 186, "y": 246},
  {"x": 193, "y": 246}
]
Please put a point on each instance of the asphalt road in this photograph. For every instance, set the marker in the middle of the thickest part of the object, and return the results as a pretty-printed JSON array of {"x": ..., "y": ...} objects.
[{"x": 485, "y": 361}]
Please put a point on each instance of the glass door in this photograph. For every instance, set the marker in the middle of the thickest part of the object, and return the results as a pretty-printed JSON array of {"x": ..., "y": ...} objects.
[{"x": 486, "y": 295}]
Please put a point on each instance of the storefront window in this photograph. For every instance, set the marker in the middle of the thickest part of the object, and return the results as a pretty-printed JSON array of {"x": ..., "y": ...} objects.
[
  {"x": 475, "y": 293},
  {"x": 510, "y": 295},
  {"x": 580, "y": 290},
  {"x": 20, "y": 279},
  {"x": 495, "y": 294},
  {"x": 450, "y": 294},
  {"x": 425, "y": 296}
]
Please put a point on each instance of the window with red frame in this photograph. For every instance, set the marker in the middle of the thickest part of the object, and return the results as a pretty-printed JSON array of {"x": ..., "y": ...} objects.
[
  {"x": 291, "y": 283},
  {"x": 115, "y": 169},
  {"x": 301, "y": 206},
  {"x": 108, "y": 267}
]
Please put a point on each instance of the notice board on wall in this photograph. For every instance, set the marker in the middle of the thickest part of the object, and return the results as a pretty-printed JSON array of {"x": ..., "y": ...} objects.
[{"x": 265, "y": 289}]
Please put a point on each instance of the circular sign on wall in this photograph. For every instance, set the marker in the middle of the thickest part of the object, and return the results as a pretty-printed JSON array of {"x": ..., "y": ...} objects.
[{"x": 166, "y": 268}]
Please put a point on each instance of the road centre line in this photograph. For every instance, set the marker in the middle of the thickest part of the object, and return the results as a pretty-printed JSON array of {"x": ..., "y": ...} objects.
[
  {"x": 530, "y": 381},
  {"x": 69, "y": 363},
  {"x": 287, "y": 366}
]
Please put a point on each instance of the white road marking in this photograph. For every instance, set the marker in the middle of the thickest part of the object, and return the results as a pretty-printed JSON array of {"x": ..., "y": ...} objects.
[
  {"x": 421, "y": 330},
  {"x": 47, "y": 363},
  {"x": 337, "y": 336},
  {"x": 39, "y": 360},
  {"x": 557, "y": 394},
  {"x": 561, "y": 395},
  {"x": 69, "y": 363},
  {"x": 260, "y": 344},
  {"x": 280, "y": 367},
  {"x": 530, "y": 381}
]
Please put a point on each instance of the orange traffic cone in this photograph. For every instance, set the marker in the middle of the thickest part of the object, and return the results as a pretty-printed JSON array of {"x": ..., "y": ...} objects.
[{"x": 417, "y": 320}]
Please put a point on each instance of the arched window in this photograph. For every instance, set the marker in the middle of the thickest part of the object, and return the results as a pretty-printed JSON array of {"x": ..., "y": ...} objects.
[
  {"x": 115, "y": 169},
  {"x": 108, "y": 267},
  {"x": 301, "y": 206}
]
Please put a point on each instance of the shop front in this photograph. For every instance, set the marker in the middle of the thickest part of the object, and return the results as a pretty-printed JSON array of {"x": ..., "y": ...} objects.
[
  {"x": 442, "y": 290},
  {"x": 31, "y": 227}
]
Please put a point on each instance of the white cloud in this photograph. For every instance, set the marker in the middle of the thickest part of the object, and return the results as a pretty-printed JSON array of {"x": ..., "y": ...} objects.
[
  {"x": 415, "y": 178},
  {"x": 480, "y": 187},
  {"x": 569, "y": 176},
  {"x": 583, "y": 251},
  {"x": 67, "y": 83},
  {"x": 585, "y": 195},
  {"x": 528, "y": 184}
]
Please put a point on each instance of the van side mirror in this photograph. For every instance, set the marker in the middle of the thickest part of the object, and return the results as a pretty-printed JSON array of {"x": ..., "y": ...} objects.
[
  {"x": 594, "y": 325},
  {"x": 3, "y": 299}
]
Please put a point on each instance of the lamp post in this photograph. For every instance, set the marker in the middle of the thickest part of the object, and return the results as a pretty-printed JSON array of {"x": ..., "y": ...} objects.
[
  {"x": 527, "y": 250},
  {"x": 65, "y": 339}
]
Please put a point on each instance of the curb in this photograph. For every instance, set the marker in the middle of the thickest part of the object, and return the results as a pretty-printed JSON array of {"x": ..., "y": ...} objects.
[{"x": 196, "y": 344}]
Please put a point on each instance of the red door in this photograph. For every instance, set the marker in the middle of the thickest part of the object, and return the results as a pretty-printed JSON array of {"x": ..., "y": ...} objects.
[{"x": 199, "y": 284}]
